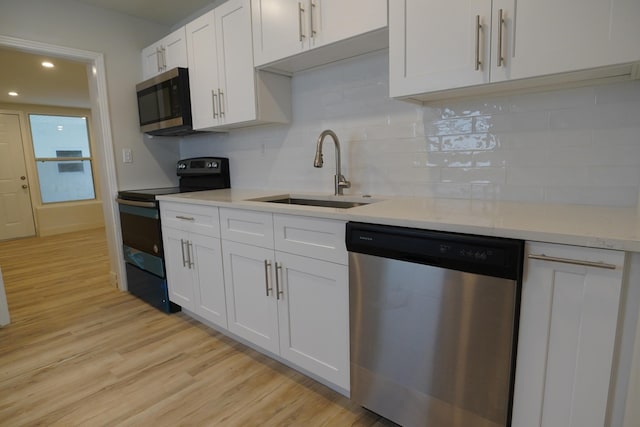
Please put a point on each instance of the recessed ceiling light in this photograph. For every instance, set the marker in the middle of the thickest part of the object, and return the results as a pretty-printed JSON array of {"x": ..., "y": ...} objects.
[
  {"x": 60, "y": 127},
  {"x": 12, "y": 93},
  {"x": 47, "y": 64}
]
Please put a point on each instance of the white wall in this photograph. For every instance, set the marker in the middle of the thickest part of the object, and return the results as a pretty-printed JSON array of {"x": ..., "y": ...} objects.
[
  {"x": 577, "y": 146},
  {"x": 120, "y": 38}
]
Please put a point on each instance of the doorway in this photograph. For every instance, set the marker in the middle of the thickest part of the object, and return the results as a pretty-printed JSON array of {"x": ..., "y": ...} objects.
[
  {"x": 104, "y": 157},
  {"x": 16, "y": 213}
]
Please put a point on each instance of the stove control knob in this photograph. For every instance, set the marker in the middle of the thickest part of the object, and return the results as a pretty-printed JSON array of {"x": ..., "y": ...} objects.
[
  {"x": 212, "y": 165},
  {"x": 182, "y": 166}
]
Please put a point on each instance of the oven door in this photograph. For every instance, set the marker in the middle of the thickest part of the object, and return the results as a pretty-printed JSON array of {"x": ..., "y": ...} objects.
[{"x": 140, "y": 223}]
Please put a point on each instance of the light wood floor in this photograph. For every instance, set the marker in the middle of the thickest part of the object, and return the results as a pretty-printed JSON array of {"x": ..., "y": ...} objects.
[{"x": 81, "y": 353}]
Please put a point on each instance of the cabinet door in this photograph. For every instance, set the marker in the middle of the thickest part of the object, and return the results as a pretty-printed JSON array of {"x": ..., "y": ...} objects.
[
  {"x": 334, "y": 20},
  {"x": 280, "y": 29},
  {"x": 250, "y": 291},
  {"x": 235, "y": 62},
  {"x": 179, "y": 273},
  {"x": 432, "y": 45},
  {"x": 566, "y": 339},
  {"x": 314, "y": 316},
  {"x": 554, "y": 37},
  {"x": 175, "y": 49},
  {"x": 150, "y": 61},
  {"x": 206, "y": 256},
  {"x": 203, "y": 71}
]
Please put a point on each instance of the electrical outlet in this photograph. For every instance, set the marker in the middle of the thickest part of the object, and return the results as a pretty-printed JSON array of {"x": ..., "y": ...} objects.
[{"x": 127, "y": 156}]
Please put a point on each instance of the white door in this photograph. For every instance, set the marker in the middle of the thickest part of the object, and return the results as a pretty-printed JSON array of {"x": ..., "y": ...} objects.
[
  {"x": 314, "y": 316},
  {"x": 334, "y": 20},
  {"x": 16, "y": 214},
  {"x": 235, "y": 61},
  {"x": 566, "y": 339},
  {"x": 175, "y": 49},
  {"x": 280, "y": 29},
  {"x": 433, "y": 45},
  {"x": 150, "y": 61},
  {"x": 179, "y": 270},
  {"x": 206, "y": 256},
  {"x": 203, "y": 71},
  {"x": 250, "y": 290},
  {"x": 557, "y": 36}
]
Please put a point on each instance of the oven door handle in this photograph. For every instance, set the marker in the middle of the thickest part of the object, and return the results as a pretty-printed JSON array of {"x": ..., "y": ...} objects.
[{"x": 135, "y": 203}]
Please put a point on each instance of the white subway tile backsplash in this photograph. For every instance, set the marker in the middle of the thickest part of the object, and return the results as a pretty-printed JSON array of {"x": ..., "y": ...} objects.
[{"x": 577, "y": 145}]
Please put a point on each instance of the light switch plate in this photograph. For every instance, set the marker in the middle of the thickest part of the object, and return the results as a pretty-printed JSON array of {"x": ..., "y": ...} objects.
[{"x": 127, "y": 156}]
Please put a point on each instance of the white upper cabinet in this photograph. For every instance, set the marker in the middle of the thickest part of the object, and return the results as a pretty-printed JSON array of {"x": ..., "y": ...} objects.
[
  {"x": 284, "y": 28},
  {"x": 555, "y": 37},
  {"x": 436, "y": 51},
  {"x": 437, "y": 46},
  {"x": 168, "y": 53},
  {"x": 225, "y": 88}
]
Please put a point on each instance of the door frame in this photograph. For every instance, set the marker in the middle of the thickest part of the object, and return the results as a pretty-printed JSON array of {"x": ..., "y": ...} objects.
[{"x": 105, "y": 161}]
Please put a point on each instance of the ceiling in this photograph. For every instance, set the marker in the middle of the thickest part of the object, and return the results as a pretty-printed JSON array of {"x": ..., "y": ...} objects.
[
  {"x": 64, "y": 85},
  {"x": 165, "y": 12}
]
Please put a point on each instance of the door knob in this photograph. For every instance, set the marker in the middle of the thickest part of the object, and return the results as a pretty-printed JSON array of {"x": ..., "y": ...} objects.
[{"x": 25, "y": 186}]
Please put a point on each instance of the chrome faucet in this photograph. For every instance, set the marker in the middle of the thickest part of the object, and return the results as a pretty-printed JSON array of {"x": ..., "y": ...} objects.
[{"x": 339, "y": 180}]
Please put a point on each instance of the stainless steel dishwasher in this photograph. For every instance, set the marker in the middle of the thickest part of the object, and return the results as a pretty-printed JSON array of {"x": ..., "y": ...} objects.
[{"x": 434, "y": 320}]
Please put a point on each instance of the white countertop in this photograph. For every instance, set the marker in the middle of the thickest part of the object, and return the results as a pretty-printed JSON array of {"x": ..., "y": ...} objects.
[{"x": 591, "y": 226}]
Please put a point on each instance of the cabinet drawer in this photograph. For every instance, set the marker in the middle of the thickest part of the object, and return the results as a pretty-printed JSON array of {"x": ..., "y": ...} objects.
[
  {"x": 204, "y": 220},
  {"x": 311, "y": 237},
  {"x": 250, "y": 227}
]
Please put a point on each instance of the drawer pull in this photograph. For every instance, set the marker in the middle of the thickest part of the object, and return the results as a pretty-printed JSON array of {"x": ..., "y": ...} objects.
[
  {"x": 543, "y": 257},
  {"x": 186, "y": 218}
]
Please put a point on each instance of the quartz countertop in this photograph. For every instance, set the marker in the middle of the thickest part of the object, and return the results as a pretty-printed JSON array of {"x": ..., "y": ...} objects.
[{"x": 580, "y": 225}]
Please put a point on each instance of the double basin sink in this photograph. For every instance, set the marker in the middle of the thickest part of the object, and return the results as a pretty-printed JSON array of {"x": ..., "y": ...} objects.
[{"x": 340, "y": 202}]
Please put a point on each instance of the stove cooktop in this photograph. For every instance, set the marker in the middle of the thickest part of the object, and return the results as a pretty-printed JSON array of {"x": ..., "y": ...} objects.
[{"x": 148, "y": 194}]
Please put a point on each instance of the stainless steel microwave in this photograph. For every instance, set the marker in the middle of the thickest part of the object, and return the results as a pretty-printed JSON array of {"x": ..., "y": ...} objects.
[{"x": 164, "y": 104}]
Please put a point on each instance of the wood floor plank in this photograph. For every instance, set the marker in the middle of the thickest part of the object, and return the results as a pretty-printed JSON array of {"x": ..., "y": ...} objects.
[{"x": 80, "y": 353}]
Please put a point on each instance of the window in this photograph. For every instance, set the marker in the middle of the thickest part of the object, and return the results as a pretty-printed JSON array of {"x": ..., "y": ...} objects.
[{"x": 63, "y": 158}]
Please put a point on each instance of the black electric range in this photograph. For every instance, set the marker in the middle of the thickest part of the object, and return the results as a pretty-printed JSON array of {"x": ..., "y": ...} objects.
[{"x": 142, "y": 230}]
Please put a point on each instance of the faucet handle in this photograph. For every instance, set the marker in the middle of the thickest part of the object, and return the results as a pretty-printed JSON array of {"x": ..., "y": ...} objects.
[{"x": 343, "y": 183}]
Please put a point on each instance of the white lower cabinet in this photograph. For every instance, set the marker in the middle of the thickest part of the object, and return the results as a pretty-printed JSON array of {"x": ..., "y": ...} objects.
[
  {"x": 292, "y": 305},
  {"x": 568, "y": 326},
  {"x": 193, "y": 260}
]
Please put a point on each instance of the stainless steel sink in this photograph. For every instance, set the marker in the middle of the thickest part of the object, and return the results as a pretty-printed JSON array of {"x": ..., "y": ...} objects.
[{"x": 319, "y": 202}]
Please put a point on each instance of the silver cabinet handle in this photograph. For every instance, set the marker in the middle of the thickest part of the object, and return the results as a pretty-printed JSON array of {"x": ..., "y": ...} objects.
[
  {"x": 189, "y": 253},
  {"x": 267, "y": 269},
  {"x": 543, "y": 257},
  {"x": 214, "y": 101},
  {"x": 186, "y": 218},
  {"x": 313, "y": 8},
  {"x": 279, "y": 291},
  {"x": 221, "y": 102},
  {"x": 184, "y": 259},
  {"x": 300, "y": 12},
  {"x": 478, "y": 30},
  {"x": 164, "y": 58},
  {"x": 158, "y": 63},
  {"x": 500, "y": 27}
]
